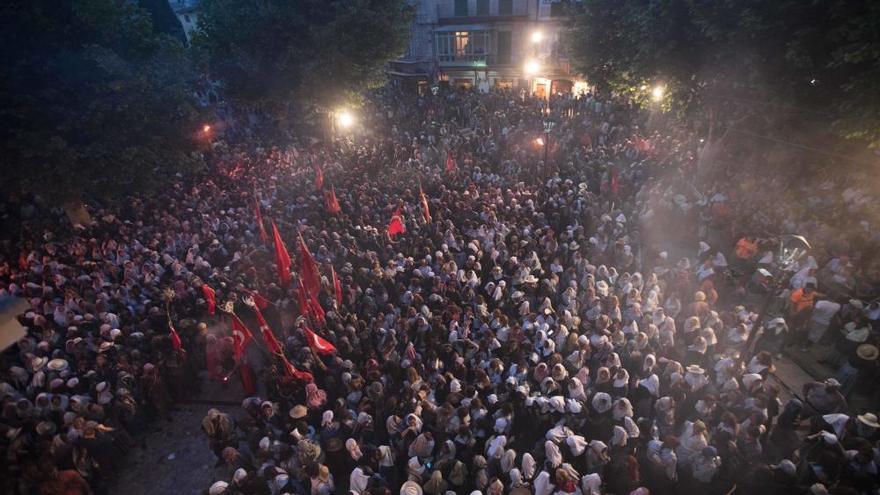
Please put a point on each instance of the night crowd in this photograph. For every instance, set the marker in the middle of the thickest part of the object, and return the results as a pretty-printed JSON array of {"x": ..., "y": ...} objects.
[{"x": 592, "y": 324}]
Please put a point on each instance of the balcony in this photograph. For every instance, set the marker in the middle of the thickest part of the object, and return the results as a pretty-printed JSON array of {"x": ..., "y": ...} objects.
[{"x": 481, "y": 10}]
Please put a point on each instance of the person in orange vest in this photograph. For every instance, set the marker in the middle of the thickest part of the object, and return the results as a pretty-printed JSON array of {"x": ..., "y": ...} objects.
[
  {"x": 802, "y": 302},
  {"x": 746, "y": 248}
]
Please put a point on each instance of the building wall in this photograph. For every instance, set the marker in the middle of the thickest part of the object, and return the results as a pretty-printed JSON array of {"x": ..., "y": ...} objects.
[{"x": 485, "y": 43}]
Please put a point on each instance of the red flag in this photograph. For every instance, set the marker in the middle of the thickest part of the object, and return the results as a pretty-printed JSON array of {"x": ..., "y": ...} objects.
[
  {"x": 261, "y": 302},
  {"x": 426, "y": 212},
  {"x": 282, "y": 259},
  {"x": 308, "y": 269},
  {"x": 316, "y": 309},
  {"x": 319, "y": 179},
  {"x": 309, "y": 305},
  {"x": 451, "y": 166},
  {"x": 337, "y": 287},
  {"x": 318, "y": 343},
  {"x": 296, "y": 374},
  {"x": 240, "y": 337},
  {"x": 302, "y": 299},
  {"x": 269, "y": 337},
  {"x": 396, "y": 226},
  {"x": 263, "y": 235},
  {"x": 176, "y": 344},
  {"x": 331, "y": 204},
  {"x": 210, "y": 298},
  {"x": 276, "y": 349}
]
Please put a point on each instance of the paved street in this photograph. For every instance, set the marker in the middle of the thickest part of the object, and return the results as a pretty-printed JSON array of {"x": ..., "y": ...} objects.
[{"x": 177, "y": 459}]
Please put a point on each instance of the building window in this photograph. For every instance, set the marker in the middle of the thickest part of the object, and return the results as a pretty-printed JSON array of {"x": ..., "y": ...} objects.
[
  {"x": 504, "y": 44},
  {"x": 461, "y": 8},
  {"x": 463, "y": 46},
  {"x": 505, "y": 7},
  {"x": 482, "y": 7}
]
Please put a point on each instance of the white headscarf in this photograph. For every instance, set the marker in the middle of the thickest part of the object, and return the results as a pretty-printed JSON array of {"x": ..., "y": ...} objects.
[
  {"x": 552, "y": 454},
  {"x": 528, "y": 466}
]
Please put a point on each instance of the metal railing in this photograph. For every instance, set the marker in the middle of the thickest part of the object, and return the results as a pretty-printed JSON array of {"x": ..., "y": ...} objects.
[{"x": 447, "y": 10}]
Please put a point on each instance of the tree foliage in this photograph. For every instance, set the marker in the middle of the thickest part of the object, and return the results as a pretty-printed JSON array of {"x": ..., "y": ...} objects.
[
  {"x": 93, "y": 101},
  {"x": 802, "y": 59},
  {"x": 271, "y": 53}
]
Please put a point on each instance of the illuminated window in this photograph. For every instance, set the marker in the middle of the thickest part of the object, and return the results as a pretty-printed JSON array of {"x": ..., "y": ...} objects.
[{"x": 461, "y": 43}]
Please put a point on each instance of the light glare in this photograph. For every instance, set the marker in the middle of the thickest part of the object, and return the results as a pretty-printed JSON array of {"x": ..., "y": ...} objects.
[
  {"x": 657, "y": 93},
  {"x": 532, "y": 67}
]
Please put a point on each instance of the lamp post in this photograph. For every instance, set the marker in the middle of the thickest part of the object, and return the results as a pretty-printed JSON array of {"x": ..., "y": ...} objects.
[
  {"x": 548, "y": 128},
  {"x": 791, "y": 249}
]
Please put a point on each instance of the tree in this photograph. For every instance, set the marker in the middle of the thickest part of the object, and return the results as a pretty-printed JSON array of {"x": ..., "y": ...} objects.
[
  {"x": 786, "y": 62},
  {"x": 275, "y": 55},
  {"x": 94, "y": 103},
  {"x": 164, "y": 19}
]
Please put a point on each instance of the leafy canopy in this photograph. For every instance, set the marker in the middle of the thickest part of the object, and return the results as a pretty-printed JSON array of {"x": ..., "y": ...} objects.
[
  {"x": 815, "y": 59},
  {"x": 271, "y": 53},
  {"x": 93, "y": 101}
]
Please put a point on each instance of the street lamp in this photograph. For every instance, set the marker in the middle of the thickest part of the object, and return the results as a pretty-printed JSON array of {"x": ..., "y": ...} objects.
[
  {"x": 537, "y": 37},
  {"x": 657, "y": 93},
  {"x": 531, "y": 67},
  {"x": 345, "y": 119}
]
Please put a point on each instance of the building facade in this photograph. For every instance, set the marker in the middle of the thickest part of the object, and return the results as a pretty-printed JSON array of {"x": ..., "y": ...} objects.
[{"x": 488, "y": 43}]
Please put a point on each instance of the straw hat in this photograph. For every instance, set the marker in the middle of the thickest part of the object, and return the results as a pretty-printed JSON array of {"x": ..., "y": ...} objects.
[
  {"x": 869, "y": 419},
  {"x": 58, "y": 365},
  {"x": 868, "y": 352},
  {"x": 297, "y": 412}
]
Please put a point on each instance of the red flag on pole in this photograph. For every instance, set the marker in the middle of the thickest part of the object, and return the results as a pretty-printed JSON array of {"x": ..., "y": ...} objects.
[
  {"x": 337, "y": 287},
  {"x": 240, "y": 337},
  {"x": 318, "y": 343},
  {"x": 269, "y": 337},
  {"x": 331, "y": 203},
  {"x": 426, "y": 212},
  {"x": 451, "y": 166},
  {"x": 210, "y": 298},
  {"x": 316, "y": 309},
  {"x": 308, "y": 268},
  {"x": 282, "y": 258},
  {"x": 396, "y": 226},
  {"x": 276, "y": 349},
  {"x": 319, "y": 179},
  {"x": 259, "y": 300},
  {"x": 263, "y": 235},
  {"x": 176, "y": 344}
]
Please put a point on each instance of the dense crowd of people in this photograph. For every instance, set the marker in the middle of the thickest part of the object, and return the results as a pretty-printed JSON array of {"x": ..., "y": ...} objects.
[{"x": 593, "y": 324}]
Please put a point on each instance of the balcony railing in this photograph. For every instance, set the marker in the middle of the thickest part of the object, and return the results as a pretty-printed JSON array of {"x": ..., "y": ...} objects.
[{"x": 448, "y": 10}]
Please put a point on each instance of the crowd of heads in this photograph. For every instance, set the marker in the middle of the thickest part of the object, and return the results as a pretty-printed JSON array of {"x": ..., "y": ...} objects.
[{"x": 570, "y": 326}]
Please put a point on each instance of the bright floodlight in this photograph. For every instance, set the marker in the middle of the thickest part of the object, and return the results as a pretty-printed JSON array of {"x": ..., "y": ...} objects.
[
  {"x": 539, "y": 141},
  {"x": 532, "y": 67},
  {"x": 345, "y": 119},
  {"x": 206, "y": 128},
  {"x": 657, "y": 93},
  {"x": 537, "y": 36}
]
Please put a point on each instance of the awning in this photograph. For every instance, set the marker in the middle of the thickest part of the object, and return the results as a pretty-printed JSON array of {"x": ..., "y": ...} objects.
[{"x": 462, "y": 27}]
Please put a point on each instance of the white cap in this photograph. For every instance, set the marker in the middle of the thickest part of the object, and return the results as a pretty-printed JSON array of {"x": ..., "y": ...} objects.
[{"x": 218, "y": 487}]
